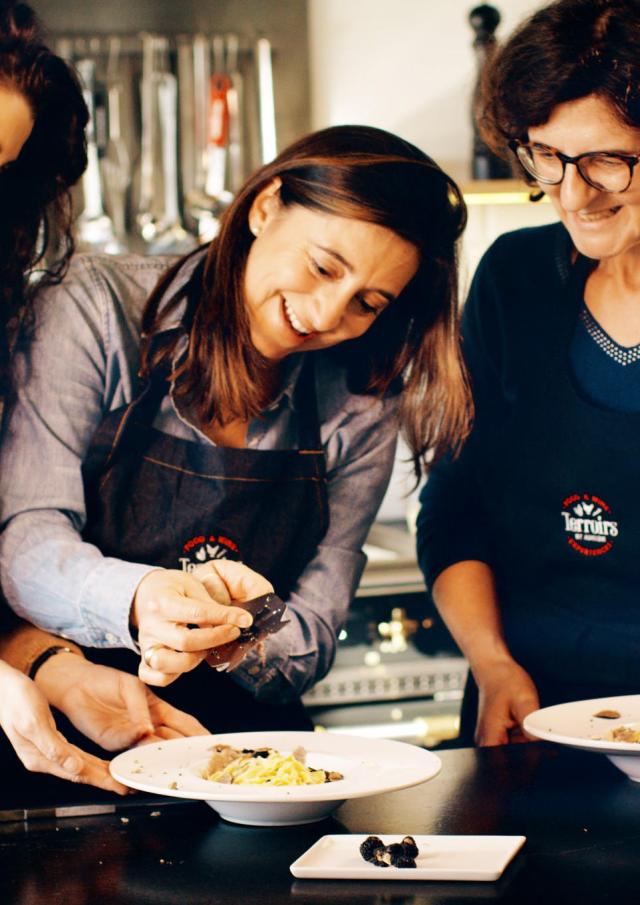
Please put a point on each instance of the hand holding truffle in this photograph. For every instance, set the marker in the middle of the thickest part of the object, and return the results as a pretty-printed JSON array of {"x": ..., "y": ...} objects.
[{"x": 181, "y": 616}]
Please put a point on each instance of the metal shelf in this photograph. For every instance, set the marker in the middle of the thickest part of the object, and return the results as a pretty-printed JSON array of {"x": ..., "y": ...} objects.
[{"x": 498, "y": 192}]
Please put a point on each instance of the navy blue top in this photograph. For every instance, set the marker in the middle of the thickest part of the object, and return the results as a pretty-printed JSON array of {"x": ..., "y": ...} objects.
[
  {"x": 546, "y": 490},
  {"x": 606, "y": 373}
]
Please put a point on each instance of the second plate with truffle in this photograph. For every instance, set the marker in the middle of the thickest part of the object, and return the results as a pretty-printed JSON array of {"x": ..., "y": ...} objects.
[{"x": 439, "y": 858}]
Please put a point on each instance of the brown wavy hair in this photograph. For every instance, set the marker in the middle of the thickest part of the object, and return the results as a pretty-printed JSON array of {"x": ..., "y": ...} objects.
[
  {"x": 563, "y": 52},
  {"x": 348, "y": 171},
  {"x": 36, "y": 240}
]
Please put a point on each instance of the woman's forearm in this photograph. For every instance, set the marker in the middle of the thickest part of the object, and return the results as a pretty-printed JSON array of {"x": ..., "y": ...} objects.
[
  {"x": 465, "y": 595},
  {"x": 61, "y": 583},
  {"x": 22, "y": 646},
  {"x": 466, "y": 598}
]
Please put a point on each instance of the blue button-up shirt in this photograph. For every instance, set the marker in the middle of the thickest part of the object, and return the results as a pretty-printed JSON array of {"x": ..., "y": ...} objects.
[{"x": 81, "y": 363}]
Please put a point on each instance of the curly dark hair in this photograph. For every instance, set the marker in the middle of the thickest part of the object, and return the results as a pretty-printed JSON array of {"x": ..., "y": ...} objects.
[
  {"x": 35, "y": 204},
  {"x": 367, "y": 174},
  {"x": 563, "y": 52}
]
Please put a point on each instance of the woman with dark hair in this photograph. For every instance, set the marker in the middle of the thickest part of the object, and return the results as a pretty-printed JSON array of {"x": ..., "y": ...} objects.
[
  {"x": 529, "y": 539},
  {"x": 257, "y": 422},
  {"x": 42, "y": 155}
]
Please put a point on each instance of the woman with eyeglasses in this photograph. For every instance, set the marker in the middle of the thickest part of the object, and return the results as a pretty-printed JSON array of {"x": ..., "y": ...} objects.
[{"x": 529, "y": 541}]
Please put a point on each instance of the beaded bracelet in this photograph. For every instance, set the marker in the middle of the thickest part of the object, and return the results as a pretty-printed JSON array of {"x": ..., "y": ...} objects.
[{"x": 42, "y": 658}]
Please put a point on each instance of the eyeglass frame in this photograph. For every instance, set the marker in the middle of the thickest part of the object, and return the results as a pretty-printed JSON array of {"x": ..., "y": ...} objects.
[{"x": 631, "y": 160}]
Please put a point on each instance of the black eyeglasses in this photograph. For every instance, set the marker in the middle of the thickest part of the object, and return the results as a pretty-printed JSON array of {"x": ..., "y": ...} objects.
[{"x": 603, "y": 170}]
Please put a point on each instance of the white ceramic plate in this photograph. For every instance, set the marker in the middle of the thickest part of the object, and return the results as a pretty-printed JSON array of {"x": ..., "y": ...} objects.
[
  {"x": 576, "y": 724},
  {"x": 369, "y": 767},
  {"x": 439, "y": 858}
]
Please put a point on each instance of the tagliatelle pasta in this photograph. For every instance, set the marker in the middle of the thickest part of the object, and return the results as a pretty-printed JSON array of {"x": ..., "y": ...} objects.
[
  {"x": 625, "y": 734},
  {"x": 264, "y": 767}
]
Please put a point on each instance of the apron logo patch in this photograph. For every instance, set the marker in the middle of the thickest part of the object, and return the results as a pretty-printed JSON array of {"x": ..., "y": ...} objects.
[
  {"x": 588, "y": 523},
  {"x": 204, "y": 548}
]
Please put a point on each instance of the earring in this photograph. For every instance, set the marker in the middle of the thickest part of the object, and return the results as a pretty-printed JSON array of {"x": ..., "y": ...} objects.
[{"x": 255, "y": 229}]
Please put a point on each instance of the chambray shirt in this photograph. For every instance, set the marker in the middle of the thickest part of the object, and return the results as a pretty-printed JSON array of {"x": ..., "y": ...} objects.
[{"x": 80, "y": 363}]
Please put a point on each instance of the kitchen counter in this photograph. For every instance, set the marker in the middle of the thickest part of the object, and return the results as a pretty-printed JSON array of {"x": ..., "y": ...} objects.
[{"x": 580, "y": 815}]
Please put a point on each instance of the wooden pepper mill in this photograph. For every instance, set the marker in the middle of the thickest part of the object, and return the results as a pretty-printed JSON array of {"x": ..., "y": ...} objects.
[{"x": 484, "y": 20}]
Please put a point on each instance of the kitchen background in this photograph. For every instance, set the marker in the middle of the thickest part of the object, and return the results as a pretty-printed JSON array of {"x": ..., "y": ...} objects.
[{"x": 187, "y": 99}]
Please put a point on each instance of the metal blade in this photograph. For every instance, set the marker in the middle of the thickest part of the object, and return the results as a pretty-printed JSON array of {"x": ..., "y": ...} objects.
[{"x": 267, "y": 611}]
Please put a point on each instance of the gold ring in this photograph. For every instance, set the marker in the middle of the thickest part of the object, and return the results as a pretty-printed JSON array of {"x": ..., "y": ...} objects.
[{"x": 149, "y": 652}]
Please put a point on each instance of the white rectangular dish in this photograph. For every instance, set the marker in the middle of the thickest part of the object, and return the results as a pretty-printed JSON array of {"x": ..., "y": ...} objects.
[{"x": 440, "y": 858}]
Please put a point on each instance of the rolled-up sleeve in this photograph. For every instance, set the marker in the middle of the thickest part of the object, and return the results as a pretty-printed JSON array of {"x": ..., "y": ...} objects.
[
  {"x": 75, "y": 366},
  {"x": 360, "y": 455}
]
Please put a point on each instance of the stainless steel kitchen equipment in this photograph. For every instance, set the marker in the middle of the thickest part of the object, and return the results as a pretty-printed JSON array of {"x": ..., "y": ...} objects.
[
  {"x": 95, "y": 230},
  {"x": 268, "y": 143},
  {"x": 235, "y": 103},
  {"x": 170, "y": 237},
  {"x": 116, "y": 164},
  {"x": 177, "y": 148},
  {"x": 158, "y": 214}
]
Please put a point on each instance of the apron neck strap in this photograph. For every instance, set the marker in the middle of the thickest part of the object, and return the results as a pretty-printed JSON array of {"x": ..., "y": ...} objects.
[{"x": 306, "y": 405}]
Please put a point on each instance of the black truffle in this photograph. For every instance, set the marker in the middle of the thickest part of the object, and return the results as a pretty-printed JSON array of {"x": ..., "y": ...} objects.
[
  {"x": 396, "y": 854},
  {"x": 395, "y": 850},
  {"x": 370, "y": 845},
  {"x": 404, "y": 861},
  {"x": 410, "y": 847}
]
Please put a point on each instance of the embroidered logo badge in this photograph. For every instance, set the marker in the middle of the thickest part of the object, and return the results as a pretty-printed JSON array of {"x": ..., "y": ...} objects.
[
  {"x": 589, "y": 524},
  {"x": 204, "y": 548}
]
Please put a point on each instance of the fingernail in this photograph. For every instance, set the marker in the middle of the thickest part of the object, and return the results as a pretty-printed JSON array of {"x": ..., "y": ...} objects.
[
  {"x": 244, "y": 620},
  {"x": 72, "y": 764}
]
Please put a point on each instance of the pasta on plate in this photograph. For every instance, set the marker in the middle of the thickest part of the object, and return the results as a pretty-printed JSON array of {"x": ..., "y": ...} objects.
[{"x": 264, "y": 766}]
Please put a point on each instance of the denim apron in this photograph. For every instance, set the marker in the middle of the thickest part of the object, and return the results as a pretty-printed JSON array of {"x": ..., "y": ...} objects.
[
  {"x": 560, "y": 482},
  {"x": 162, "y": 500}
]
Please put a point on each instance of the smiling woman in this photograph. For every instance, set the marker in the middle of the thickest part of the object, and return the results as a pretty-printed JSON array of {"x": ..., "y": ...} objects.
[
  {"x": 314, "y": 279},
  {"x": 541, "y": 588},
  {"x": 277, "y": 365}
]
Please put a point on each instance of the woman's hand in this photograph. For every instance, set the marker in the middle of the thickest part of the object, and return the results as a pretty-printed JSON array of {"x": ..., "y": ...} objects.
[
  {"x": 29, "y": 725},
  {"x": 111, "y": 707},
  {"x": 506, "y": 696},
  {"x": 180, "y": 616}
]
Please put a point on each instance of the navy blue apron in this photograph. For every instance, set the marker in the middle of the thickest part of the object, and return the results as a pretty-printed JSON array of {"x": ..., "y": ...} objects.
[
  {"x": 169, "y": 502},
  {"x": 561, "y": 490}
]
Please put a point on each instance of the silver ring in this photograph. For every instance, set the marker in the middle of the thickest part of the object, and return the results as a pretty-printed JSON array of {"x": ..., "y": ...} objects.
[{"x": 149, "y": 652}]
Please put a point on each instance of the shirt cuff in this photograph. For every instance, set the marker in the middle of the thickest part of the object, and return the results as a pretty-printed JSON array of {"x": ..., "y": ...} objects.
[{"x": 106, "y": 600}]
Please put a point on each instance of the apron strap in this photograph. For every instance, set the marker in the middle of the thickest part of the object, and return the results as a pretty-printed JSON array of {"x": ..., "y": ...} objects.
[
  {"x": 306, "y": 406},
  {"x": 141, "y": 411},
  {"x": 550, "y": 350}
]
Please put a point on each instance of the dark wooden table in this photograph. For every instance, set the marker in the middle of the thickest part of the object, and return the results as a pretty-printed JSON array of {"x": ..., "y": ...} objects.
[{"x": 580, "y": 815}]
